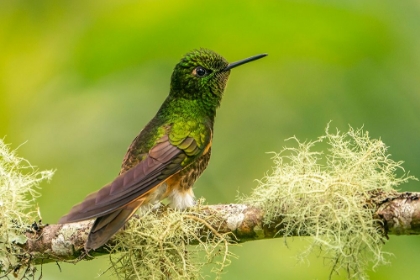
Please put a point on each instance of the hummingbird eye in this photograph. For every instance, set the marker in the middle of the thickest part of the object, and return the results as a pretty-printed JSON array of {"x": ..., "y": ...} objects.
[{"x": 200, "y": 72}]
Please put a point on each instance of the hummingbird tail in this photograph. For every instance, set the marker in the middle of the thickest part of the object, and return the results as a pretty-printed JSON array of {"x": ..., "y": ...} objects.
[{"x": 106, "y": 226}]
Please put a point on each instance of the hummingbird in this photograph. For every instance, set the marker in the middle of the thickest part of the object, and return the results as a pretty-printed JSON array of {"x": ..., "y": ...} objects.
[{"x": 168, "y": 155}]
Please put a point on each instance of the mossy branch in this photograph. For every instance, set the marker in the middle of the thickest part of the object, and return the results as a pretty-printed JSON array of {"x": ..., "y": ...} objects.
[
  {"x": 397, "y": 214},
  {"x": 344, "y": 198}
]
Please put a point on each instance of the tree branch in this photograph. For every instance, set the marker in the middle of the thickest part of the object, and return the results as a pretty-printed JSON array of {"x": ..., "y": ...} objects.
[{"x": 399, "y": 214}]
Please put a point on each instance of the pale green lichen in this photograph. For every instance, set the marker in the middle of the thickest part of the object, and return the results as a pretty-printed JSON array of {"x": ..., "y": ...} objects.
[
  {"x": 170, "y": 245},
  {"x": 259, "y": 232},
  {"x": 19, "y": 182},
  {"x": 327, "y": 196}
]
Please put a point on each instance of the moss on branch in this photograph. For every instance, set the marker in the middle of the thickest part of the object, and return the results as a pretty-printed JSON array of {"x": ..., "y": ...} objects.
[{"x": 343, "y": 198}]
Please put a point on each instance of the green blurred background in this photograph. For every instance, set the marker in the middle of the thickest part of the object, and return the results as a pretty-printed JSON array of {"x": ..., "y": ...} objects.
[{"x": 79, "y": 79}]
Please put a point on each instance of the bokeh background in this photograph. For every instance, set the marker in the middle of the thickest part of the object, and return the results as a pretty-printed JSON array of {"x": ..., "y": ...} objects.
[{"x": 79, "y": 79}]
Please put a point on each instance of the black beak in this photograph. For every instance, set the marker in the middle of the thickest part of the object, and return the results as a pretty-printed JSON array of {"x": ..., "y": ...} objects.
[{"x": 243, "y": 61}]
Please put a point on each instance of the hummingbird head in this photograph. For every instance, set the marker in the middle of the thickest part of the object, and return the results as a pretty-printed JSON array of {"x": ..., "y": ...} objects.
[
  {"x": 203, "y": 74},
  {"x": 200, "y": 74}
]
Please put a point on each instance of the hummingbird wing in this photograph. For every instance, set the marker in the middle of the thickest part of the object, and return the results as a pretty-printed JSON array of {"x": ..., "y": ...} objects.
[
  {"x": 162, "y": 161},
  {"x": 106, "y": 226}
]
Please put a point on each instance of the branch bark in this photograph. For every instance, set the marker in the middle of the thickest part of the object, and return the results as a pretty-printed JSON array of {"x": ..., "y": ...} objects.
[{"x": 399, "y": 214}]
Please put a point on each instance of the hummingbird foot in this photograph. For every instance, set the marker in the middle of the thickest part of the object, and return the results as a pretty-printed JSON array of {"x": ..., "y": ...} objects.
[{"x": 149, "y": 207}]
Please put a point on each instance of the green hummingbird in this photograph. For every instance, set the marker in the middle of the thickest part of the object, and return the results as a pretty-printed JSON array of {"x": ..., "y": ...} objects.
[{"x": 169, "y": 154}]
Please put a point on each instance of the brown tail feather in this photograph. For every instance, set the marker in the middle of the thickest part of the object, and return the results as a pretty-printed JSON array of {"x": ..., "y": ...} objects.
[{"x": 106, "y": 226}]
